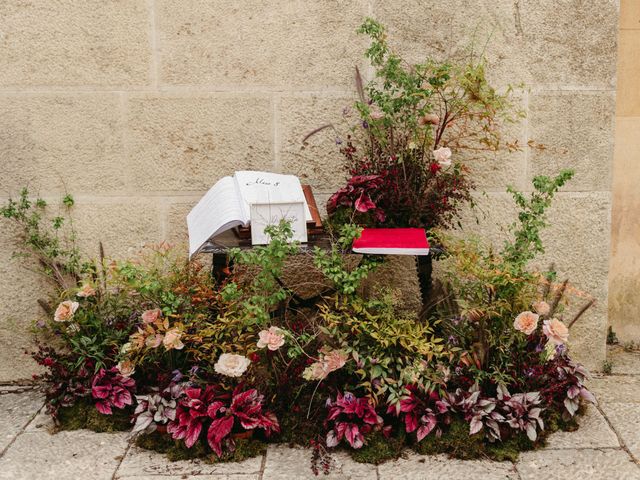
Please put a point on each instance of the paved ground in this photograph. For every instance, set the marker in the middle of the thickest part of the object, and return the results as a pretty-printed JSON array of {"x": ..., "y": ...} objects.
[{"x": 607, "y": 446}]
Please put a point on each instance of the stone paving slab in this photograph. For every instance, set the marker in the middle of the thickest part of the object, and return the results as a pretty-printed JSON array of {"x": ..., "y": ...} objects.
[
  {"x": 625, "y": 419},
  {"x": 573, "y": 464},
  {"x": 616, "y": 389},
  {"x": 594, "y": 432},
  {"x": 16, "y": 410},
  {"x": 239, "y": 476},
  {"x": 139, "y": 462},
  {"x": 437, "y": 467},
  {"x": 623, "y": 362},
  {"x": 67, "y": 455},
  {"x": 284, "y": 463}
]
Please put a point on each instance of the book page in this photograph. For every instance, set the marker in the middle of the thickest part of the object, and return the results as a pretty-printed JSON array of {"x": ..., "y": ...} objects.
[
  {"x": 267, "y": 187},
  {"x": 219, "y": 210}
]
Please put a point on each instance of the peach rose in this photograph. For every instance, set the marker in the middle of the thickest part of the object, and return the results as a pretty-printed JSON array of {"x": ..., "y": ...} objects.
[
  {"x": 231, "y": 365},
  {"x": 556, "y": 331},
  {"x": 86, "y": 291},
  {"x": 316, "y": 371},
  {"x": 443, "y": 156},
  {"x": 542, "y": 307},
  {"x": 151, "y": 316},
  {"x": 126, "y": 368},
  {"x": 429, "y": 118},
  {"x": 526, "y": 322},
  {"x": 154, "y": 340},
  {"x": 273, "y": 338},
  {"x": 172, "y": 339},
  {"x": 335, "y": 360},
  {"x": 65, "y": 311}
]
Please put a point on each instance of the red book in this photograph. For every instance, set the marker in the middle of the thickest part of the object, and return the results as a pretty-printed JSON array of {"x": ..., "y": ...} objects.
[{"x": 392, "y": 241}]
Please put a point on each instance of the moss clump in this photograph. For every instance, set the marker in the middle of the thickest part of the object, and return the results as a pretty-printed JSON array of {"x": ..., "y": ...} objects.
[
  {"x": 298, "y": 430},
  {"x": 74, "y": 417},
  {"x": 85, "y": 415},
  {"x": 455, "y": 441},
  {"x": 118, "y": 421},
  {"x": 379, "y": 449},
  {"x": 176, "y": 449},
  {"x": 509, "y": 449}
]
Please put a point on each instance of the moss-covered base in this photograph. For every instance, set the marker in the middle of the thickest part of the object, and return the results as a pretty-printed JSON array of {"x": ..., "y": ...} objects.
[
  {"x": 379, "y": 449},
  {"x": 85, "y": 415},
  {"x": 455, "y": 441},
  {"x": 176, "y": 450}
]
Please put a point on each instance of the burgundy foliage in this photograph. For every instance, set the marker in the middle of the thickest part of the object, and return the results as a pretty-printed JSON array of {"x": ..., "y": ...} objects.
[
  {"x": 351, "y": 418},
  {"x": 111, "y": 389}
]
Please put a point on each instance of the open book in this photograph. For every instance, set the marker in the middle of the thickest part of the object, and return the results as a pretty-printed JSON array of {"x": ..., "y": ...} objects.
[{"x": 227, "y": 204}]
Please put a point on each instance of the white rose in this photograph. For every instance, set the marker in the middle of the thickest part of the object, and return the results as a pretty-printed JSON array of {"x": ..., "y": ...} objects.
[
  {"x": 231, "y": 365},
  {"x": 443, "y": 156}
]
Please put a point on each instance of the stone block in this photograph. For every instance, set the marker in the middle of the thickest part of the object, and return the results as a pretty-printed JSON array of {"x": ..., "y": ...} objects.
[
  {"x": 435, "y": 467},
  {"x": 535, "y": 43},
  {"x": 577, "y": 131},
  {"x": 69, "y": 43},
  {"x": 573, "y": 464},
  {"x": 54, "y": 143},
  {"x": 275, "y": 44},
  {"x": 577, "y": 242},
  {"x": 318, "y": 162},
  {"x": 139, "y": 462},
  {"x": 123, "y": 226},
  {"x": 16, "y": 410},
  {"x": 177, "y": 233},
  {"x": 78, "y": 454},
  {"x": 187, "y": 143},
  {"x": 20, "y": 288},
  {"x": 284, "y": 463},
  {"x": 625, "y": 418}
]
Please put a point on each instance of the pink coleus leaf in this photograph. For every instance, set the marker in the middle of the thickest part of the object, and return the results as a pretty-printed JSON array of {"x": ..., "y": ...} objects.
[
  {"x": 219, "y": 429},
  {"x": 364, "y": 203},
  {"x": 104, "y": 407}
]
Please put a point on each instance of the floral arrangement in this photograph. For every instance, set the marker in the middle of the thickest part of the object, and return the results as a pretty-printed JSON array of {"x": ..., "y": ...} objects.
[
  {"x": 193, "y": 367},
  {"x": 410, "y": 120}
]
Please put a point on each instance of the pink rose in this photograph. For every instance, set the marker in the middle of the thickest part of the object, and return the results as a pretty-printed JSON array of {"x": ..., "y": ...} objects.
[
  {"x": 443, "y": 156},
  {"x": 151, "y": 316},
  {"x": 86, "y": 291},
  {"x": 542, "y": 307},
  {"x": 172, "y": 339},
  {"x": 273, "y": 338},
  {"x": 65, "y": 311},
  {"x": 556, "y": 331},
  {"x": 376, "y": 113},
  {"x": 526, "y": 322}
]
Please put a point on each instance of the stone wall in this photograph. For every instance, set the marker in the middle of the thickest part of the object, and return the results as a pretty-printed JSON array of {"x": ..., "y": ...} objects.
[{"x": 138, "y": 106}]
